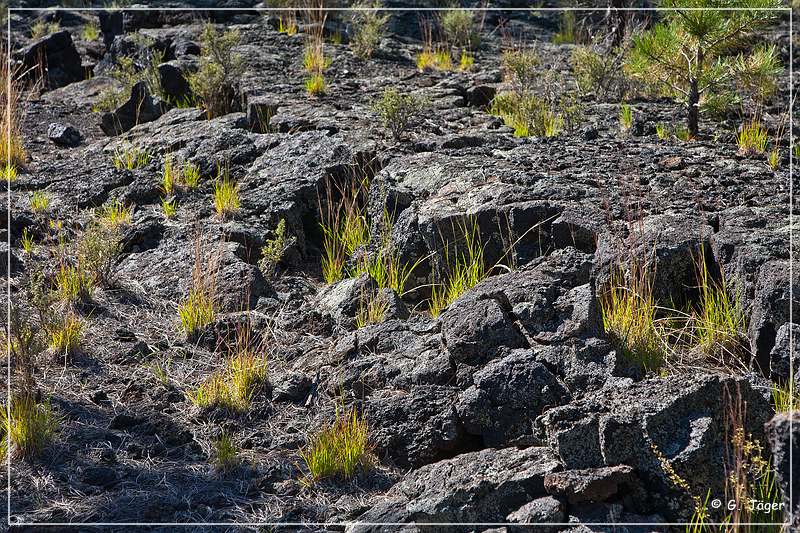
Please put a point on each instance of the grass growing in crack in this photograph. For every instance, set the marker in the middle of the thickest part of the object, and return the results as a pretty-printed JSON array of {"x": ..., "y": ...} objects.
[
  {"x": 316, "y": 85},
  {"x": 168, "y": 177},
  {"x": 27, "y": 241},
  {"x": 344, "y": 226},
  {"x": 191, "y": 175},
  {"x": 785, "y": 398},
  {"x": 372, "y": 309},
  {"x": 340, "y": 449},
  {"x": 169, "y": 207},
  {"x": 65, "y": 335},
  {"x": 40, "y": 201},
  {"x": 774, "y": 159},
  {"x": 434, "y": 59},
  {"x": 464, "y": 271},
  {"x": 9, "y": 173},
  {"x": 12, "y": 90},
  {"x": 90, "y": 31},
  {"x": 73, "y": 284},
  {"x": 625, "y": 117},
  {"x": 129, "y": 157},
  {"x": 30, "y": 427},
  {"x": 232, "y": 388},
  {"x": 116, "y": 214},
  {"x": 42, "y": 28},
  {"x": 196, "y": 312},
  {"x": 752, "y": 138},
  {"x": 226, "y": 194},
  {"x": 662, "y": 131},
  {"x": 226, "y": 453},
  {"x": 628, "y": 310}
]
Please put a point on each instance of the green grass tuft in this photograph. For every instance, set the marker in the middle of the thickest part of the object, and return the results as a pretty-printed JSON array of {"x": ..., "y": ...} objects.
[
  {"x": 196, "y": 312},
  {"x": 30, "y": 427},
  {"x": 340, "y": 449}
]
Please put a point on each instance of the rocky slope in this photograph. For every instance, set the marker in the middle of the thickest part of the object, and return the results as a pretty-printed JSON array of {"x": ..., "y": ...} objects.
[{"x": 511, "y": 406}]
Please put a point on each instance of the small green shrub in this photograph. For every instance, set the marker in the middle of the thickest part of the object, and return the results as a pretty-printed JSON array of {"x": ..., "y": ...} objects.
[
  {"x": 368, "y": 29},
  {"x": 98, "y": 250},
  {"x": 128, "y": 73},
  {"x": 316, "y": 85},
  {"x": 128, "y": 157},
  {"x": 459, "y": 28},
  {"x": 65, "y": 335},
  {"x": 40, "y": 201},
  {"x": 226, "y": 195},
  {"x": 752, "y": 138},
  {"x": 397, "y": 111},
  {"x": 600, "y": 72},
  {"x": 520, "y": 66},
  {"x": 30, "y": 427},
  {"x": 340, "y": 449},
  {"x": 196, "y": 312},
  {"x": 220, "y": 69},
  {"x": 274, "y": 248}
]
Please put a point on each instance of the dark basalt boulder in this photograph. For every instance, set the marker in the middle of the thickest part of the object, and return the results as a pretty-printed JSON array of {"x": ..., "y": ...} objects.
[
  {"x": 64, "y": 134},
  {"x": 484, "y": 486},
  {"x": 56, "y": 58},
  {"x": 141, "y": 107},
  {"x": 783, "y": 432}
]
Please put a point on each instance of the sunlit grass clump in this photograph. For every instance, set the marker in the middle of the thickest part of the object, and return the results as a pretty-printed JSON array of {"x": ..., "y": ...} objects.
[
  {"x": 232, "y": 387},
  {"x": 226, "y": 453},
  {"x": 129, "y": 157},
  {"x": 345, "y": 228},
  {"x": 196, "y": 312},
  {"x": 372, "y": 309},
  {"x": 340, "y": 449},
  {"x": 752, "y": 138},
  {"x": 73, "y": 283},
  {"x": 785, "y": 398},
  {"x": 40, "y": 201},
  {"x": 30, "y": 428},
  {"x": 628, "y": 309},
  {"x": 226, "y": 195},
  {"x": 116, "y": 214},
  {"x": 65, "y": 335},
  {"x": 463, "y": 271}
]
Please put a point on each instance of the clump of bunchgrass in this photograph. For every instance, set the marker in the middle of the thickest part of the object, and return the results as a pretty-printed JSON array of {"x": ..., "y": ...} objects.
[
  {"x": 274, "y": 248},
  {"x": 90, "y": 31},
  {"x": 752, "y": 138},
  {"x": 226, "y": 453},
  {"x": 372, "y": 309},
  {"x": 397, "y": 110},
  {"x": 28, "y": 425},
  {"x": 774, "y": 159},
  {"x": 719, "y": 322},
  {"x": 12, "y": 90},
  {"x": 467, "y": 61},
  {"x": 625, "y": 117},
  {"x": 226, "y": 194},
  {"x": 344, "y": 226},
  {"x": 316, "y": 85},
  {"x": 196, "y": 312},
  {"x": 663, "y": 132},
  {"x": 465, "y": 269},
  {"x": 40, "y": 201},
  {"x": 232, "y": 387},
  {"x": 169, "y": 207},
  {"x": 338, "y": 450},
  {"x": 628, "y": 309},
  {"x": 73, "y": 284},
  {"x": 64, "y": 335},
  {"x": 42, "y": 28},
  {"x": 168, "y": 177},
  {"x": 27, "y": 241},
  {"x": 785, "y": 397},
  {"x": 129, "y": 157},
  {"x": 98, "y": 249},
  {"x": 191, "y": 175},
  {"x": 115, "y": 214}
]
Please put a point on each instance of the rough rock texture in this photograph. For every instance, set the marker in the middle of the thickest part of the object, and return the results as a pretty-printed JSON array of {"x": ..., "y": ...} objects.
[
  {"x": 783, "y": 432},
  {"x": 55, "y": 58}
]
